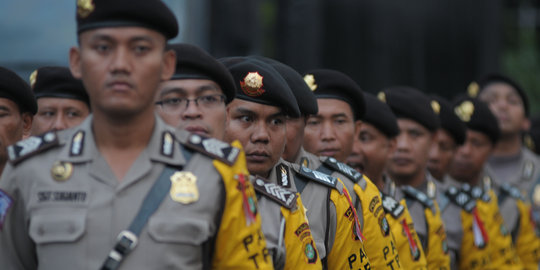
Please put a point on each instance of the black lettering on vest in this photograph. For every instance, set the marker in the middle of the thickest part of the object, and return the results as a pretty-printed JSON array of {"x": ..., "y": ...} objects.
[
  {"x": 254, "y": 259},
  {"x": 391, "y": 264},
  {"x": 367, "y": 266},
  {"x": 362, "y": 255},
  {"x": 248, "y": 240},
  {"x": 397, "y": 260},
  {"x": 351, "y": 260},
  {"x": 266, "y": 254},
  {"x": 385, "y": 252}
]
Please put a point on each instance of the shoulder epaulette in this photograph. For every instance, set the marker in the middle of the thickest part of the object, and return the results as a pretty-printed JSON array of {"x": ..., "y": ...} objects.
[
  {"x": 316, "y": 176},
  {"x": 214, "y": 148},
  {"x": 391, "y": 206},
  {"x": 512, "y": 191},
  {"x": 528, "y": 169},
  {"x": 282, "y": 196},
  {"x": 342, "y": 168},
  {"x": 417, "y": 195},
  {"x": 479, "y": 194},
  {"x": 26, "y": 148},
  {"x": 461, "y": 198}
]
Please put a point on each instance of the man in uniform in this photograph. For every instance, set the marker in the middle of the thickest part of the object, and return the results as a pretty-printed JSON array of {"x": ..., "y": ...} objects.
[
  {"x": 62, "y": 100},
  {"x": 373, "y": 146},
  {"x": 17, "y": 107},
  {"x": 468, "y": 167},
  {"x": 418, "y": 122},
  {"x": 195, "y": 98},
  {"x": 330, "y": 133},
  {"x": 73, "y": 200},
  {"x": 254, "y": 120}
]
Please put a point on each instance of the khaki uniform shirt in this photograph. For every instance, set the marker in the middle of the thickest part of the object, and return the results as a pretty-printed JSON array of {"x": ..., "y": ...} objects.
[{"x": 68, "y": 218}]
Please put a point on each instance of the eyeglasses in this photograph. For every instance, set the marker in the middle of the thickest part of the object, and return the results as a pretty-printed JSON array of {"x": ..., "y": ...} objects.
[{"x": 173, "y": 105}]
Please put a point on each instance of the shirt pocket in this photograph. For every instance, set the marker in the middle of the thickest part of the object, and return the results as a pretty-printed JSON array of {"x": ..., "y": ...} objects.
[
  {"x": 57, "y": 225},
  {"x": 186, "y": 231}
]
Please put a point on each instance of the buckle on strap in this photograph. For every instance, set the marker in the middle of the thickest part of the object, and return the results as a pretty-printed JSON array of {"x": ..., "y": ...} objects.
[{"x": 125, "y": 242}]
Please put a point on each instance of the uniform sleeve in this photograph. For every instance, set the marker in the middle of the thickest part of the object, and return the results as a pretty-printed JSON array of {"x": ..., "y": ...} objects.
[
  {"x": 437, "y": 255},
  {"x": 301, "y": 252},
  {"x": 240, "y": 243},
  {"x": 411, "y": 253},
  {"x": 348, "y": 249},
  {"x": 17, "y": 250},
  {"x": 527, "y": 242}
]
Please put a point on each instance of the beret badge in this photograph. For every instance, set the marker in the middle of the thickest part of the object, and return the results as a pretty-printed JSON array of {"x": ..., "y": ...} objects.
[
  {"x": 252, "y": 84},
  {"x": 436, "y": 106},
  {"x": 84, "y": 8},
  {"x": 465, "y": 110},
  {"x": 310, "y": 81},
  {"x": 32, "y": 78},
  {"x": 381, "y": 96},
  {"x": 472, "y": 89}
]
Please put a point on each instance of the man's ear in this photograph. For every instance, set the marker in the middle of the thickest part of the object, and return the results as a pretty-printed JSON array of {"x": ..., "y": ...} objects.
[
  {"x": 27, "y": 124},
  {"x": 169, "y": 65},
  {"x": 526, "y": 125},
  {"x": 75, "y": 62}
]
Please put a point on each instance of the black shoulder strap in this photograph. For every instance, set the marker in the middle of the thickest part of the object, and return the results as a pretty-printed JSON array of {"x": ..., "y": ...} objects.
[
  {"x": 33, "y": 145},
  {"x": 127, "y": 239},
  {"x": 317, "y": 176},
  {"x": 391, "y": 206},
  {"x": 343, "y": 168},
  {"x": 282, "y": 196},
  {"x": 461, "y": 198},
  {"x": 214, "y": 148},
  {"x": 417, "y": 195}
]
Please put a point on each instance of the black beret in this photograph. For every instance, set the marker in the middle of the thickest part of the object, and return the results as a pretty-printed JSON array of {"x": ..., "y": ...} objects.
[
  {"x": 193, "y": 62},
  {"x": 449, "y": 120},
  {"x": 259, "y": 82},
  {"x": 17, "y": 90},
  {"x": 333, "y": 84},
  {"x": 499, "y": 78},
  {"x": 57, "y": 82},
  {"x": 407, "y": 102},
  {"x": 379, "y": 115},
  {"x": 477, "y": 116},
  {"x": 307, "y": 103},
  {"x": 152, "y": 14}
]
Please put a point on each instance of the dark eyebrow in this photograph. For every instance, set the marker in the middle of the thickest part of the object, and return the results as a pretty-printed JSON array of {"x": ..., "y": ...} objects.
[
  {"x": 245, "y": 111},
  {"x": 339, "y": 115},
  {"x": 4, "y": 108}
]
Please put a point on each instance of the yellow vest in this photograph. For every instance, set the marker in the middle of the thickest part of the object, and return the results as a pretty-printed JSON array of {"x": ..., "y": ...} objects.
[
  {"x": 437, "y": 255},
  {"x": 380, "y": 246}
]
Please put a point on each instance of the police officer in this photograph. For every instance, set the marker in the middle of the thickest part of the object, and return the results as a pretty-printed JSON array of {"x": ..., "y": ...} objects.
[
  {"x": 417, "y": 123},
  {"x": 208, "y": 86},
  {"x": 260, "y": 126},
  {"x": 468, "y": 250},
  {"x": 18, "y": 107},
  {"x": 331, "y": 133},
  {"x": 75, "y": 199},
  {"x": 468, "y": 167},
  {"x": 62, "y": 100},
  {"x": 372, "y": 148}
]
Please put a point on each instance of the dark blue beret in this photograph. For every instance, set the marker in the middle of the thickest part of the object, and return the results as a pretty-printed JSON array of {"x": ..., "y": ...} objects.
[
  {"x": 326, "y": 83},
  {"x": 193, "y": 62},
  {"x": 450, "y": 121},
  {"x": 152, "y": 14},
  {"x": 258, "y": 82},
  {"x": 477, "y": 116},
  {"x": 307, "y": 103},
  {"x": 407, "y": 102},
  {"x": 380, "y": 115},
  {"x": 17, "y": 90},
  {"x": 57, "y": 82}
]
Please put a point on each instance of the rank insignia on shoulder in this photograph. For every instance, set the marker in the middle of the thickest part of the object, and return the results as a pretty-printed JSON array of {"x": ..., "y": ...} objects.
[
  {"x": 283, "y": 177},
  {"x": 215, "y": 148},
  {"x": 31, "y": 146},
  {"x": 167, "y": 144},
  {"x": 392, "y": 206},
  {"x": 417, "y": 195},
  {"x": 528, "y": 169},
  {"x": 282, "y": 196},
  {"x": 512, "y": 191},
  {"x": 77, "y": 144},
  {"x": 5, "y": 204},
  {"x": 316, "y": 176},
  {"x": 478, "y": 193},
  {"x": 343, "y": 168},
  {"x": 461, "y": 198}
]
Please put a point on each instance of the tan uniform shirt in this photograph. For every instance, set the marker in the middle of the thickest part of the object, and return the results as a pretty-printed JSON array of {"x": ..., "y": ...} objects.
[{"x": 70, "y": 220}]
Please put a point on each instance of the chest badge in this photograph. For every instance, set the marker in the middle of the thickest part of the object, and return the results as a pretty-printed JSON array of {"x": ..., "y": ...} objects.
[
  {"x": 184, "y": 187},
  {"x": 61, "y": 171}
]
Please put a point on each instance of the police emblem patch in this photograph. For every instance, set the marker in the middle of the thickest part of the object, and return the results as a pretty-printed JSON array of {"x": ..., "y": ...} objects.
[
  {"x": 310, "y": 252},
  {"x": 85, "y": 7},
  {"x": 252, "y": 84},
  {"x": 385, "y": 227},
  {"x": 61, "y": 171},
  {"x": 184, "y": 187},
  {"x": 5, "y": 204}
]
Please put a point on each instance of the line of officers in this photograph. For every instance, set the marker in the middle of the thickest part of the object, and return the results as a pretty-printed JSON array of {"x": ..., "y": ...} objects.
[{"x": 274, "y": 169}]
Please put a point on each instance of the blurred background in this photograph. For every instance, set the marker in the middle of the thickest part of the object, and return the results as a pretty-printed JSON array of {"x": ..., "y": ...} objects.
[{"x": 435, "y": 46}]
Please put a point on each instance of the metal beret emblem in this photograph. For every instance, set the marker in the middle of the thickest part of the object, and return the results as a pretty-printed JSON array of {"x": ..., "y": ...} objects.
[
  {"x": 472, "y": 89},
  {"x": 436, "y": 106},
  {"x": 381, "y": 96},
  {"x": 252, "y": 84},
  {"x": 310, "y": 81},
  {"x": 464, "y": 111},
  {"x": 84, "y": 8},
  {"x": 33, "y": 77}
]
